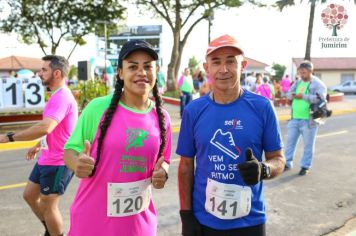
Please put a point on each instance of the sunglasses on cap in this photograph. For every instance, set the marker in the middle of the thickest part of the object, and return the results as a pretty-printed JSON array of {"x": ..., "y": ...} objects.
[{"x": 306, "y": 65}]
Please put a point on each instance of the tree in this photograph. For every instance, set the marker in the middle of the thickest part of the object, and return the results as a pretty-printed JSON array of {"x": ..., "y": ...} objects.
[
  {"x": 182, "y": 16},
  {"x": 193, "y": 65},
  {"x": 48, "y": 22},
  {"x": 284, "y": 3},
  {"x": 73, "y": 72},
  {"x": 279, "y": 69}
]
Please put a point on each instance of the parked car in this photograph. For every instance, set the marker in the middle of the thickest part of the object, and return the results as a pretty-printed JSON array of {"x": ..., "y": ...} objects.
[{"x": 345, "y": 87}]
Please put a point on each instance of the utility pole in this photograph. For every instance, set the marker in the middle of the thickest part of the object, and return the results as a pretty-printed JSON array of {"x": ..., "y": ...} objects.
[
  {"x": 105, "y": 39},
  {"x": 106, "y": 45},
  {"x": 210, "y": 19}
]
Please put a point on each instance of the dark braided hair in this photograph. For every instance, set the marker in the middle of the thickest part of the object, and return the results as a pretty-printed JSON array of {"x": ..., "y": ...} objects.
[
  {"x": 110, "y": 113},
  {"x": 108, "y": 117},
  {"x": 161, "y": 119}
]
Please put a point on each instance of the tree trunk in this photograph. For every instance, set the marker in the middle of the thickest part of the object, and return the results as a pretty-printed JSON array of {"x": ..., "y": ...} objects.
[
  {"x": 171, "y": 72},
  {"x": 334, "y": 30},
  {"x": 179, "y": 58},
  {"x": 53, "y": 50},
  {"x": 70, "y": 54},
  {"x": 310, "y": 31}
]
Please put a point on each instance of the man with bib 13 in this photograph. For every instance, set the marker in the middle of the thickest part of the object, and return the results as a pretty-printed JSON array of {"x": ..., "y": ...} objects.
[
  {"x": 222, "y": 138},
  {"x": 120, "y": 147},
  {"x": 49, "y": 177}
]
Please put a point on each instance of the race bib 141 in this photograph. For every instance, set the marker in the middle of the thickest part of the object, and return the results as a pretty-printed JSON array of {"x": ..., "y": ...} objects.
[{"x": 227, "y": 201}]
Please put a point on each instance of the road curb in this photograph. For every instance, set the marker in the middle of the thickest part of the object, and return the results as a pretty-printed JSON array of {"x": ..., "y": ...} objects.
[
  {"x": 172, "y": 101},
  {"x": 17, "y": 145}
]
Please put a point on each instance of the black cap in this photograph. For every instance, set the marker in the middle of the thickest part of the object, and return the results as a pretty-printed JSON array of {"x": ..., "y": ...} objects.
[
  {"x": 306, "y": 65},
  {"x": 136, "y": 45}
]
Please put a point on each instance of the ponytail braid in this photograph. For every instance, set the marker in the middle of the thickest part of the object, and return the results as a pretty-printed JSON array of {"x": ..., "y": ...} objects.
[
  {"x": 161, "y": 119},
  {"x": 107, "y": 120}
]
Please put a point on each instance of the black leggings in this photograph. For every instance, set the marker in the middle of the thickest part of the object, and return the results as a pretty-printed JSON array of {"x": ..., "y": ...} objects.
[{"x": 257, "y": 230}]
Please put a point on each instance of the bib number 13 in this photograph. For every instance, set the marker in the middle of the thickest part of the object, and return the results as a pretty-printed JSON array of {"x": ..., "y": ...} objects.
[{"x": 34, "y": 93}]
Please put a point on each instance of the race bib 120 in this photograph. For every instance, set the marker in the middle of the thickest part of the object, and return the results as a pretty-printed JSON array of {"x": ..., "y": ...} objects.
[{"x": 126, "y": 199}]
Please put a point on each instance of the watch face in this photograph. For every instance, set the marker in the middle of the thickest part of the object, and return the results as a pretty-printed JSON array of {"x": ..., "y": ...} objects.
[{"x": 267, "y": 171}]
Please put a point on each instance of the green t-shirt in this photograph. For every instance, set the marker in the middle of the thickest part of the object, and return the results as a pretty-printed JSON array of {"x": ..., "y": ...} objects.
[
  {"x": 300, "y": 107},
  {"x": 88, "y": 123},
  {"x": 89, "y": 120},
  {"x": 187, "y": 85}
]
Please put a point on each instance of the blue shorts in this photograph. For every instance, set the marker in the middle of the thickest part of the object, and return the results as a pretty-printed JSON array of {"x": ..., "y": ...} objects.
[{"x": 52, "y": 179}]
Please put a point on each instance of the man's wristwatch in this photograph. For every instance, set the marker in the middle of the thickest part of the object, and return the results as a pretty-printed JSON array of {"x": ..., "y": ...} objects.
[
  {"x": 266, "y": 171},
  {"x": 10, "y": 136}
]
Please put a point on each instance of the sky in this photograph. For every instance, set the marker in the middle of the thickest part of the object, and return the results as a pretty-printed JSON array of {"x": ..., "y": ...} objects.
[{"x": 265, "y": 34}]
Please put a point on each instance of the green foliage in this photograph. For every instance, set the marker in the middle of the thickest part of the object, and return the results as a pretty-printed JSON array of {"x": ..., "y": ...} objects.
[
  {"x": 172, "y": 94},
  {"x": 284, "y": 3},
  {"x": 48, "y": 22},
  {"x": 279, "y": 69},
  {"x": 182, "y": 16},
  {"x": 73, "y": 71},
  {"x": 330, "y": 92},
  {"x": 193, "y": 64},
  {"x": 88, "y": 90}
]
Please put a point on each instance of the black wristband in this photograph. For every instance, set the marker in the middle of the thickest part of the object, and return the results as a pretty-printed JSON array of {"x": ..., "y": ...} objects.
[
  {"x": 10, "y": 136},
  {"x": 266, "y": 172}
]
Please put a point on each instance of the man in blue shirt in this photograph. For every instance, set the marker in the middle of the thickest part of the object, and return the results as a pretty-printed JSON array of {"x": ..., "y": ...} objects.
[{"x": 223, "y": 136}]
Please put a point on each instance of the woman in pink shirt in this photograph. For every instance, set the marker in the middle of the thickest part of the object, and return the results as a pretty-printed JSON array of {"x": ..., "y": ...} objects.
[
  {"x": 286, "y": 83},
  {"x": 121, "y": 146},
  {"x": 265, "y": 89}
]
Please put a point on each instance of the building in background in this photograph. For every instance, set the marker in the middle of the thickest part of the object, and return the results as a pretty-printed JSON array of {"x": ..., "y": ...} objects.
[
  {"x": 12, "y": 64},
  {"x": 149, "y": 33},
  {"x": 332, "y": 70},
  {"x": 256, "y": 66}
]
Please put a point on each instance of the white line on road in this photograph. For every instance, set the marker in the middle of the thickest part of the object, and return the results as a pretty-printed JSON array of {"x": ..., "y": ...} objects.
[
  {"x": 176, "y": 159},
  {"x": 332, "y": 134}
]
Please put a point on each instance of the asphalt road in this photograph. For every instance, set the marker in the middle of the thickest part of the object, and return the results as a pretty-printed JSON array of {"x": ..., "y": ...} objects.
[{"x": 312, "y": 205}]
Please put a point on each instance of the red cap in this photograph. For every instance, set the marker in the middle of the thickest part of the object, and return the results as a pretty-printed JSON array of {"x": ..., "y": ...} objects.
[{"x": 223, "y": 41}]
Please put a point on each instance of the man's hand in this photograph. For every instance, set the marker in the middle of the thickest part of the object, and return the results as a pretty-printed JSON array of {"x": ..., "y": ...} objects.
[
  {"x": 250, "y": 170},
  {"x": 190, "y": 225},
  {"x": 159, "y": 175},
  {"x": 85, "y": 163},
  {"x": 297, "y": 96},
  {"x": 32, "y": 152}
]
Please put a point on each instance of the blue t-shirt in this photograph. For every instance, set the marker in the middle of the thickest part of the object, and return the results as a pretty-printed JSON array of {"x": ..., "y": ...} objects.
[{"x": 218, "y": 136}]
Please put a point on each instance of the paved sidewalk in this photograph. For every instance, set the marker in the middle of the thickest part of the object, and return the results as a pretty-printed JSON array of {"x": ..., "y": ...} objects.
[{"x": 349, "y": 229}]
